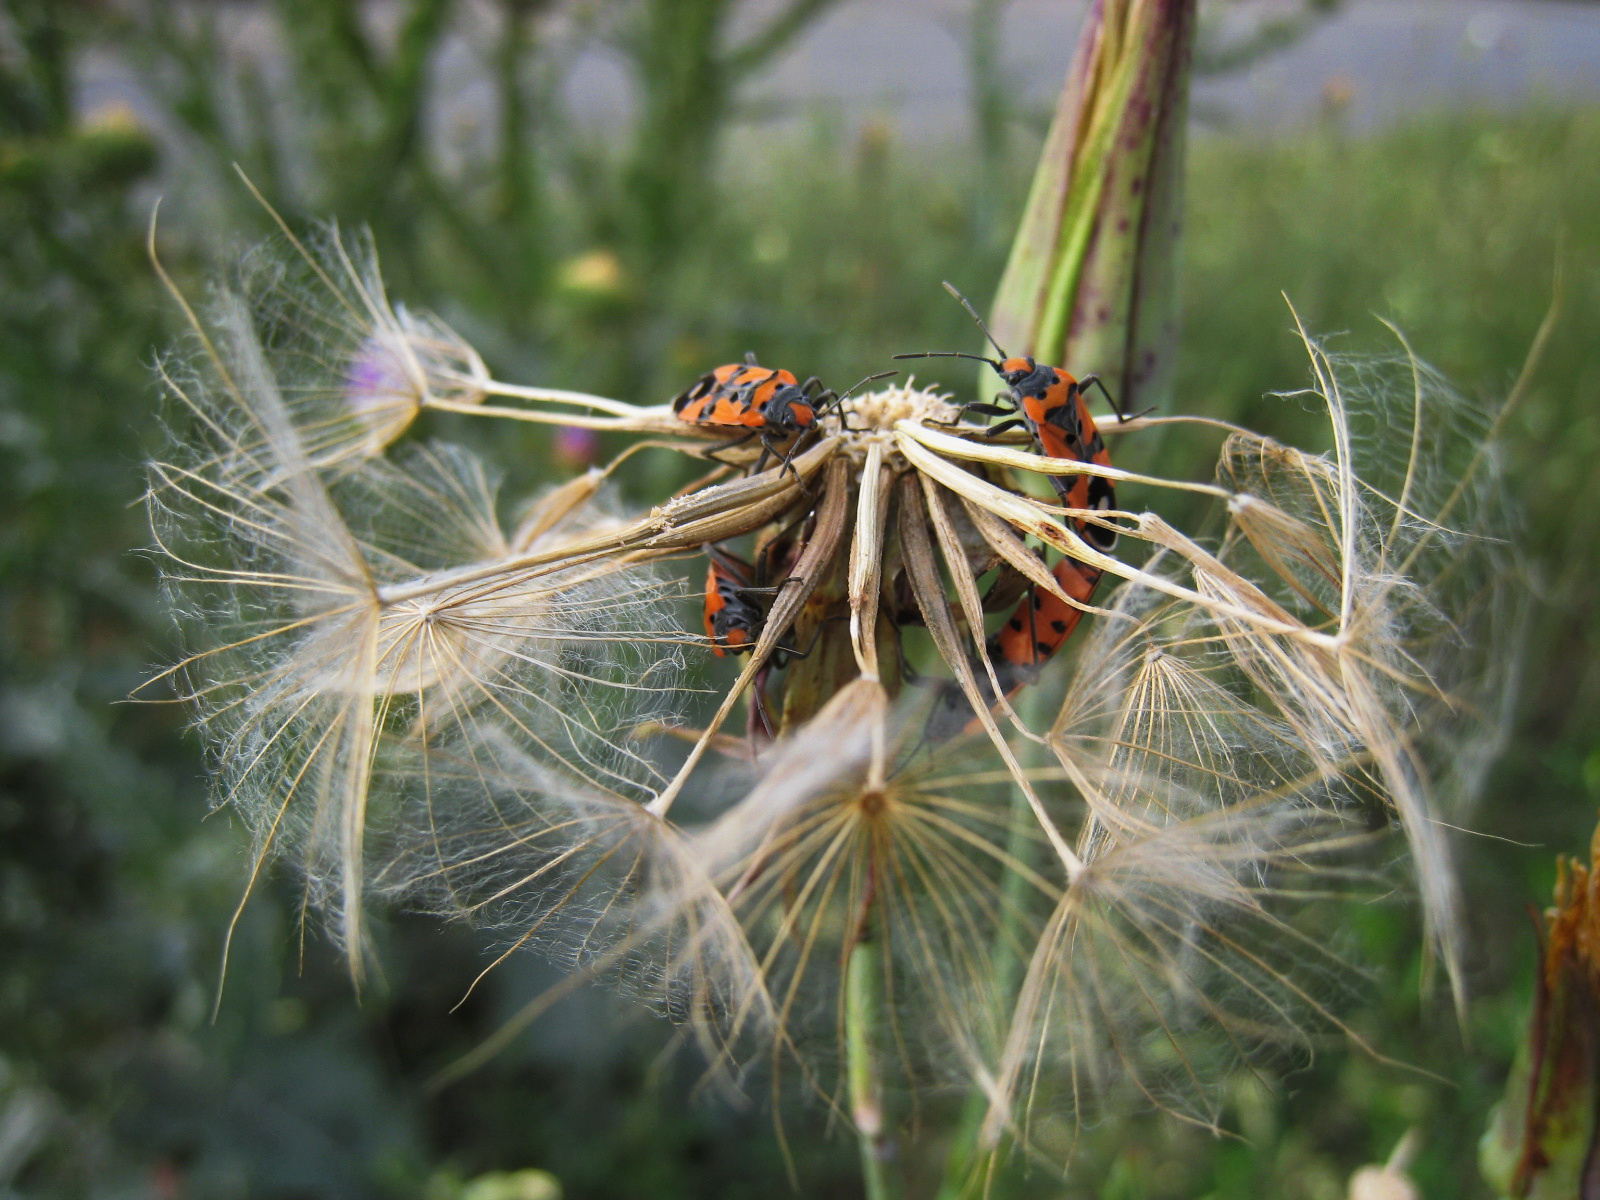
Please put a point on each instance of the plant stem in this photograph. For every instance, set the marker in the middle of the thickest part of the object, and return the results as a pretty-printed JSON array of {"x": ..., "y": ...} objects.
[
  {"x": 861, "y": 1017},
  {"x": 961, "y": 1178}
]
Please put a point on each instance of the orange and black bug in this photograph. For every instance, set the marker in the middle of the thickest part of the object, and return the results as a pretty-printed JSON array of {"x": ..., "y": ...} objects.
[
  {"x": 1050, "y": 404},
  {"x": 1041, "y": 624},
  {"x": 733, "y": 618},
  {"x": 1038, "y": 627},
  {"x": 762, "y": 402}
]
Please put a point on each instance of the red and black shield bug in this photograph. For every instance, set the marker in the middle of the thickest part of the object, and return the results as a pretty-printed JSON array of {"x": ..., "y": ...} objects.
[
  {"x": 1050, "y": 404},
  {"x": 1041, "y": 624},
  {"x": 760, "y": 402},
  {"x": 733, "y": 617}
]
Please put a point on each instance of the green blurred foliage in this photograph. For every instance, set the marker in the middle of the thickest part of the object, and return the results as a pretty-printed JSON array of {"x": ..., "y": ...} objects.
[{"x": 627, "y": 265}]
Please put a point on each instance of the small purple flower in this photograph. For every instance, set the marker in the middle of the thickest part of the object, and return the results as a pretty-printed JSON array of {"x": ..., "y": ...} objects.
[{"x": 381, "y": 391}]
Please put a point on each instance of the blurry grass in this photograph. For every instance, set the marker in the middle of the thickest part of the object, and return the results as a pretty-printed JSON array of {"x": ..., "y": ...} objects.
[
  {"x": 827, "y": 259},
  {"x": 1453, "y": 229}
]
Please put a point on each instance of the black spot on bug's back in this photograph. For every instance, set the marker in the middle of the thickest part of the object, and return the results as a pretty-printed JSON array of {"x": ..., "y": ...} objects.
[
  {"x": 1016, "y": 624},
  {"x": 1102, "y": 497},
  {"x": 1065, "y": 418},
  {"x": 1059, "y": 626},
  {"x": 698, "y": 391},
  {"x": 1041, "y": 649}
]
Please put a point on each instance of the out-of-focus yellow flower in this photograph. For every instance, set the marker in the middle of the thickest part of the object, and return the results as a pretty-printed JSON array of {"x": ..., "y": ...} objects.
[
  {"x": 594, "y": 283},
  {"x": 511, "y": 1185}
]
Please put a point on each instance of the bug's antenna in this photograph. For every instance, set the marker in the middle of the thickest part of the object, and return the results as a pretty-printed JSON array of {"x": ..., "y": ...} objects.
[
  {"x": 993, "y": 362},
  {"x": 973, "y": 313},
  {"x": 838, "y": 400},
  {"x": 869, "y": 379}
]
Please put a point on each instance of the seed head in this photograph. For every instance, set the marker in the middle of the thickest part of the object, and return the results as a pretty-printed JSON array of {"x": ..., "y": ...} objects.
[{"x": 1073, "y": 866}]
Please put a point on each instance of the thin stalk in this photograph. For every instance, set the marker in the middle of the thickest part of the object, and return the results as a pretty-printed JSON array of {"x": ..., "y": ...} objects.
[
  {"x": 961, "y": 1180},
  {"x": 625, "y": 424},
  {"x": 862, "y": 1016},
  {"x": 514, "y": 391}
]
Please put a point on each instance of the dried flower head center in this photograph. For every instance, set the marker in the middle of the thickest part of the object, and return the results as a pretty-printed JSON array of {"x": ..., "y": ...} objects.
[
  {"x": 872, "y": 804},
  {"x": 871, "y": 417}
]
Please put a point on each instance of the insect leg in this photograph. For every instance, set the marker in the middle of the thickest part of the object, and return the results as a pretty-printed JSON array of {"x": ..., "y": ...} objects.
[{"x": 1089, "y": 381}]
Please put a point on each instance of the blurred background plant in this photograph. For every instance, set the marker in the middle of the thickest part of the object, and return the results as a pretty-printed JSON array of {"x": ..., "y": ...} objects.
[{"x": 622, "y": 255}]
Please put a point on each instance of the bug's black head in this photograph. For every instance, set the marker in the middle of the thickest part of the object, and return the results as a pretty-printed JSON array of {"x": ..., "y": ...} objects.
[
  {"x": 789, "y": 408},
  {"x": 1015, "y": 371}
]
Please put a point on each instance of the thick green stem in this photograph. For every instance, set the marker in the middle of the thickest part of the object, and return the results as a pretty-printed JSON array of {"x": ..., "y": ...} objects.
[{"x": 862, "y": 1002}]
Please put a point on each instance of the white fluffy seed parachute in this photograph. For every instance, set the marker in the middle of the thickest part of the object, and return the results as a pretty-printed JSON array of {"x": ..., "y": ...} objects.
[{"x": 348, "y": 613}]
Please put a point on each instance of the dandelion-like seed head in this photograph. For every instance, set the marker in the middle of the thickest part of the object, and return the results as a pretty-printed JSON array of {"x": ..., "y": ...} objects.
[
  {"x": 1038, "y": 774},
  {"x": 347, "y": 611},
  {"x": 354, "y": 369}
]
